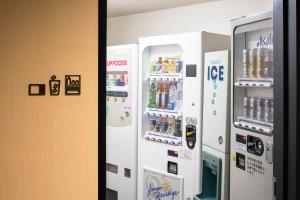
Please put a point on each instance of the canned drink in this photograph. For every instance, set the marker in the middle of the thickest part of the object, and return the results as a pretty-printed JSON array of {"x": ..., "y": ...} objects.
[
  {"x": 261, "y": 52},
  {"x": 267, "y": 110},
  {"x": 245, "y": 62},
  {"x": 268, "y": 64},
  {"x": 252, "y": 62},
  {"x": 271, "y": 110},
  {"x": 246, "y": 107},
  {"x": 258, "y": 109},
  {"x": 251, "y": 107}
]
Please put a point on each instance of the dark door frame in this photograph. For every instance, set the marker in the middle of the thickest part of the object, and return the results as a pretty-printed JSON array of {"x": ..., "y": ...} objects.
[{"x": 286, "y": 105}]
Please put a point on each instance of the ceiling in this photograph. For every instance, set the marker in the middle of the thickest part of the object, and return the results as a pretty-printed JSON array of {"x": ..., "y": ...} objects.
[{"x": 128, "y": 7}]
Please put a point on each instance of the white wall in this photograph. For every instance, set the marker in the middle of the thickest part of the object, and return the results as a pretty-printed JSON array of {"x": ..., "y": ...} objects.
[{"x": 213, "y": 17}]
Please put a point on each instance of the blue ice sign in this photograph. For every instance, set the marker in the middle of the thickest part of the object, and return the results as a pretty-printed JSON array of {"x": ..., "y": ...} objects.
[{"x": 215, "y": 73}]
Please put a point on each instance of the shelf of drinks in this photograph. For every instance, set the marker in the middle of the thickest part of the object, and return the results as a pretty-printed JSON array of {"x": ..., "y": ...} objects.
[
  {"x": 117, "y": 88},
  {"x": 255, "y": 125},
  {"x": 164, "y": 77},
  {"x": 163, "y": 138},
  {"x": 255, "y": 82},
  {"x": 156, "y": 112}
]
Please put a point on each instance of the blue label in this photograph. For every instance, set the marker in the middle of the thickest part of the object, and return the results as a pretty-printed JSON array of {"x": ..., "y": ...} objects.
[
  {"x": 215, "y": 73},
  {"x": 265, "y": 40}
]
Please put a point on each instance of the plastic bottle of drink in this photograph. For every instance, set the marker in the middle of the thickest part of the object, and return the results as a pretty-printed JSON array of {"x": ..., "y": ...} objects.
[
  {"x": 153, "y": 67},
  {"x": 152, "y": 96},
  {"x": 158, "y": 96},
  {"x": 164, "y": 96},
  {"x": 271, "y": 110},
  {"x": 171, "y": 103}
]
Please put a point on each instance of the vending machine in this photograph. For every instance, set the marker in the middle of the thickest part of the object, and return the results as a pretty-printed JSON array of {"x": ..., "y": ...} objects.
[
  {"x": 252, "y": 108},
  {"x": 121, "y": 121},
  {"x": 170, "y": 113},
  {"x": 216, "y": 126}
]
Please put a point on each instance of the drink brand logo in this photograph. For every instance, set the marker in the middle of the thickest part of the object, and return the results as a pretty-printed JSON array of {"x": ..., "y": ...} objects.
[
  {"x": 162, "y": 191},
  {"x": 116, "y": 63},
  {"x": 215, "y": 73},
  {"x": 265, "y": 40}
]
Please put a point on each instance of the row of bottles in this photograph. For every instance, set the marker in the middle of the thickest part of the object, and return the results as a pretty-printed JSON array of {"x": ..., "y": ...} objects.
[
  {"x": 167, "y": 126},
  {"x": 116, "y": 79},
  {"x": 165, "y": 95},
  {"x": 258, "y": 63},
  {"x": 258, "y": 108},
  {"x": 166, "y": 65}
]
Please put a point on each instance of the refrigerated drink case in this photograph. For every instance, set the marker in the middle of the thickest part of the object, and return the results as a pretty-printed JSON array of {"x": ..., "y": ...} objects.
[{"x": 252, "y": 108}]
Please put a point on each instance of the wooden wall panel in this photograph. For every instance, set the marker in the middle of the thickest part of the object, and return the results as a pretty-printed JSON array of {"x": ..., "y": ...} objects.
[{"x": 48, "y": 144}]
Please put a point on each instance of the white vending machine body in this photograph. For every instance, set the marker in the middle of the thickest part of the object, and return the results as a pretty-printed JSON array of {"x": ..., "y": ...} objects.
[
  {"x": 251, "y": 168},
  {"x": 216, "y": 123},
  {"x": 121, "y": 116},
  {"x": 170, "y": 113}
]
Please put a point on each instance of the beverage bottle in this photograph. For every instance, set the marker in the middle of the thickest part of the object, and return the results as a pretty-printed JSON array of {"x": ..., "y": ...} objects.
[
  {"x": 152, "y": 96},
  {"x": 152, "y": 124},
  {"x": 158, "y": 125},
  {"x": 172, "y": 65},
  {"x": 178, "y": 132},
  {"x": 153, "y": 67},
  {"x": 159, "y": 65},
  {"x": 171, "y": 103},
  {"x": 158, "y": 96},
  {"x": 164, "y": 96},
  {"x": 165, "y": 66}
]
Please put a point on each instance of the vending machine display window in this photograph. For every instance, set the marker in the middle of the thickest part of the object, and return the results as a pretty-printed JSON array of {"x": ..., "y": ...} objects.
[
  {"x": 162, "y": 86},
  {"x": 253, "y": 77}
]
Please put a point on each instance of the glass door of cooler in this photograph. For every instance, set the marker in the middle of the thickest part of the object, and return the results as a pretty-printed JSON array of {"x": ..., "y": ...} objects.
[
  {"x": 162, "y": 94},
  {"x": 253, "y": 77}
]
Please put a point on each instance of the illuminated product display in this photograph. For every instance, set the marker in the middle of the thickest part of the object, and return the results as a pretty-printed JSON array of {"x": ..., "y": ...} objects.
[
  {"x": 170, "y": 113},
  {"x": 251, "y": 171},
  {"x": 121, "y": 121}
]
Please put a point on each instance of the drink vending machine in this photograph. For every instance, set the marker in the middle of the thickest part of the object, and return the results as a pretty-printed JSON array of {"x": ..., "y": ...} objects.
[
  {"x": 121, "y": 124},
  {"x": 216, "y": 126},
  {"x": 170, "y": 113},
  {"x": 252, "y": 108}
]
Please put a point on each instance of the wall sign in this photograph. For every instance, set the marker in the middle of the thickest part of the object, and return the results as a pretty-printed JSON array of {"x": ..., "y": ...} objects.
[
  {"x": 54, "y": 86},
  {"x": 36, "y": 89},
  {"x": 72, "y": 84}
]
